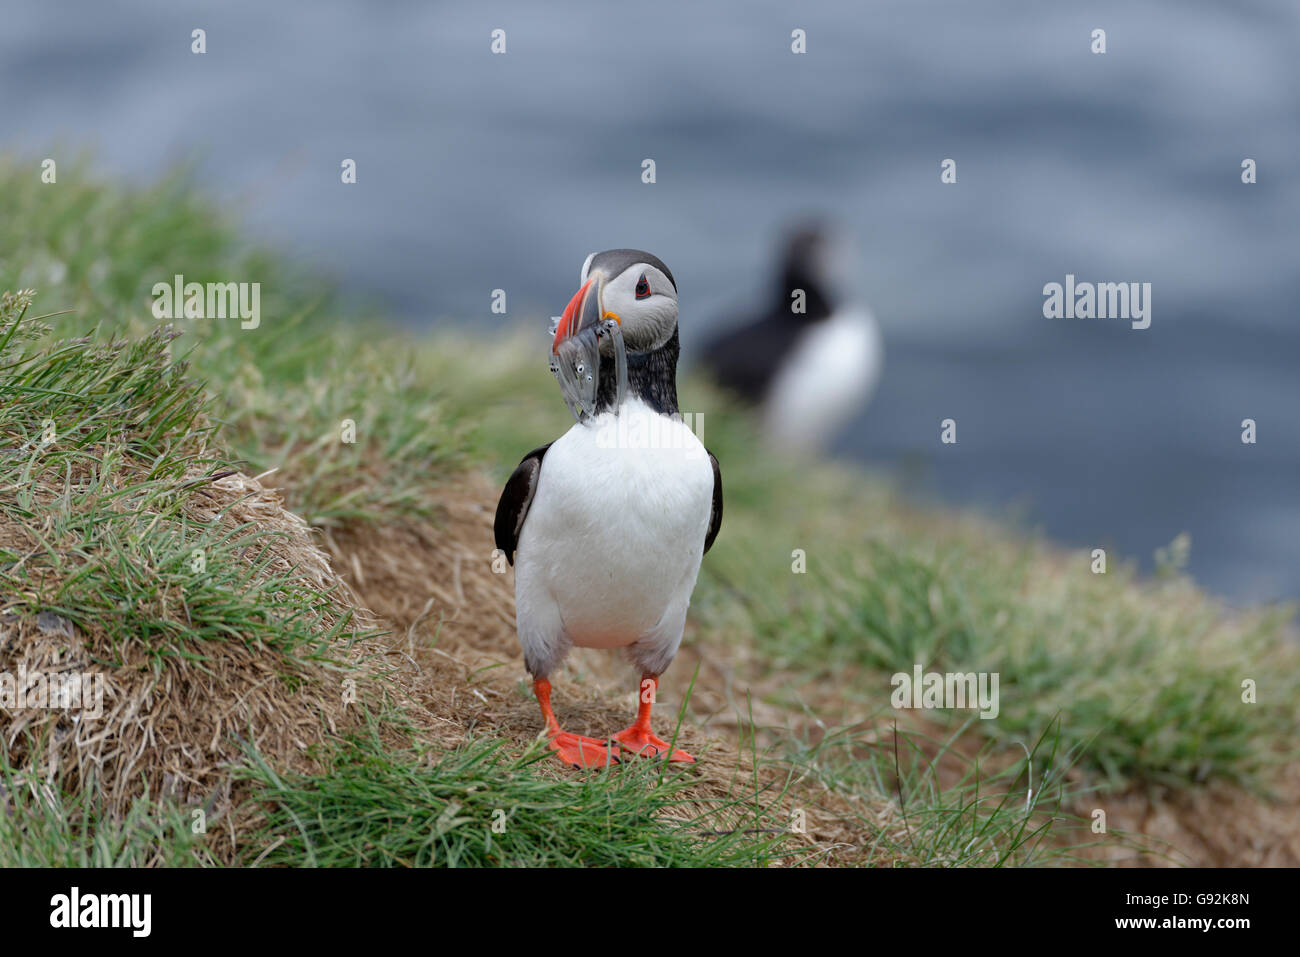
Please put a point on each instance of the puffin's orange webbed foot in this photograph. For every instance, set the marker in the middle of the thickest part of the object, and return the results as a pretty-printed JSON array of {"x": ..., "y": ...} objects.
[
  {"x": 574, "y": 749},
  {"x": 639, "y": 739},
  {"x": 645, "y": 742},
  {"x": 583, "y": 752}
]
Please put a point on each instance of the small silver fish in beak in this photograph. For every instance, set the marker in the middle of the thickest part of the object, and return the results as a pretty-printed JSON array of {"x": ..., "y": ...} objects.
[{"x": 576, "y": 351}]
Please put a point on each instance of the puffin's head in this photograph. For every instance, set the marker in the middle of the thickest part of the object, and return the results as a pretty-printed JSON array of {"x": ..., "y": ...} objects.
[
  {"x": 808, "y": 256},
  {"x": 632, "y": 287}
]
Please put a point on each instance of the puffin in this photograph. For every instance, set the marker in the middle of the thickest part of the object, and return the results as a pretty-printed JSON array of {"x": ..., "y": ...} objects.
[
  {"x": 607, "y": 525},
  {"x": 808, "y": 362}
]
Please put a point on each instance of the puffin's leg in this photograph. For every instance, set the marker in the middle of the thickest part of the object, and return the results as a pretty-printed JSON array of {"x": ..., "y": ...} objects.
[
  {"x": 573, "y": 749},
  {"x": 639, "y": 739}
]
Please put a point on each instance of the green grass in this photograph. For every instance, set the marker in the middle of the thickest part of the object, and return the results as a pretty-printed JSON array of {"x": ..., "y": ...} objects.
[
  {"x": 1137, "y": 681},
  {"x": 481, "y": 806},
  {"x": 1148, "y": 678},
  {"x": 100, "y": 443},
  {"x": 377, "y": 807},
  {"x": 283, "y": 390},
  {"x": 45, "y": 826},
  {"x": 1016, "y": 816}
]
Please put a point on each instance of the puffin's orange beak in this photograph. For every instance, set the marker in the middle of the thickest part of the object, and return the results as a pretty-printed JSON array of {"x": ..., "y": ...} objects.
[{"x": 583, "y": 309}]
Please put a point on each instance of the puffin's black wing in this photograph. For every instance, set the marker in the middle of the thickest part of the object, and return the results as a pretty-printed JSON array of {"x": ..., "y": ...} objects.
[
  {"x": 745, "y": 360},
  {"x": 715, "y": 516},
  {"x": 518, "y": 495}
]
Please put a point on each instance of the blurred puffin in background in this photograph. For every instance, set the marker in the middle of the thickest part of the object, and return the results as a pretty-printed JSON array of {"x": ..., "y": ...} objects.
[
  {"x": 809, "y": 360},
  {"x": 607, "y": 525}
]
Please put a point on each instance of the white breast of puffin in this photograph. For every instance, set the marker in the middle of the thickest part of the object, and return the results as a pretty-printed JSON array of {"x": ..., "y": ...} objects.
[
  {"x": 831, "y": 371},
  {"x": 615, "y": 532}
]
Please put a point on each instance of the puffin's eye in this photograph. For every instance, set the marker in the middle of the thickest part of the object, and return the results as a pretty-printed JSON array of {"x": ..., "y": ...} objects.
[{"x": 642, "y": 288}]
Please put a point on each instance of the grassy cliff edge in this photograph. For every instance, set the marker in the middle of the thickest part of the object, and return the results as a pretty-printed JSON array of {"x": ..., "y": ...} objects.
[{"x": 274, "y": 544}]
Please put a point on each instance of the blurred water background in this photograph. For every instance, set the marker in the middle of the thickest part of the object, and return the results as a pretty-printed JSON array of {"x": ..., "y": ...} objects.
[{"x": 478, "y": 171}]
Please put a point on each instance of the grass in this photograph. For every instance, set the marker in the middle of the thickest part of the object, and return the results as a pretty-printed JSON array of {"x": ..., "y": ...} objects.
[
  {"x": 44, "y": 826},
  {"x": 1014, "y": 816},
  {"x": 1149, "y": 677},
  {"x": 1138, "y": 682},
  {"x": 480, "y": 805},
  {"x": 99, "y": 442}
]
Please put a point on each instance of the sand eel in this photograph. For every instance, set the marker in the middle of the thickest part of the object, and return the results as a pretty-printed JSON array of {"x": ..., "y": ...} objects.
[
  {"x": 607, "y": 525},
  {"x": 808, "y": 371}
]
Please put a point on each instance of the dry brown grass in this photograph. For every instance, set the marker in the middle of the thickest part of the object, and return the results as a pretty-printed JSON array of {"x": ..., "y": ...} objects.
[
  {"x": 173, "y": 730},
  {"x": 1213, "y": 826}
]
